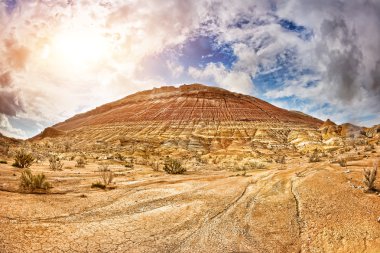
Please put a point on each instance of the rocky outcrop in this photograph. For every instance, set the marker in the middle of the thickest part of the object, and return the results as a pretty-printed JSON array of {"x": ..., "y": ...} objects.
[{"x": 49, "y": 132}]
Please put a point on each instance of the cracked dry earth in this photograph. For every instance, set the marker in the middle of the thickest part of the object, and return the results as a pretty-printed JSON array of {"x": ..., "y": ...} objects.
[{"x": 304, "y": 208}]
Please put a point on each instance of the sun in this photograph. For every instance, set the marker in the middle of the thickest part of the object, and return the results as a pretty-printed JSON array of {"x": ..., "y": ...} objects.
[{"x": 78, "y": 48}]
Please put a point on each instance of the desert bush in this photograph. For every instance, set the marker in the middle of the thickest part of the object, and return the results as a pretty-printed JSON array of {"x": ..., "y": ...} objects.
[
  {"x": 342, "y": 162},
  {"x": 106, "y": 174},
  {"x": 155, "y": 166},
  {"x": 67, "y": 146},
  {"x": 119, "y": 157},
  {"x": 280, "y": 159},
  {"x": 314, "y": 158},
  {"x": 370, "y": 177},
  {"x": 172, "y": 166},
  {"x": 81, "y": 163},
  {"x": 55, "y": 163},
  {"x": 369, "y": 148},
  {"x": 4, "y": 149},
  {"x": 129, "y": 163},
  {"x": 31, "y": 182},
  {"x": 254, "y": 166},
  {"x": 23, "y": 159},
  {"x": 3, "y": 162},
  {"x": 98, "y": 185},
  {"x": 38, "y": 157}
]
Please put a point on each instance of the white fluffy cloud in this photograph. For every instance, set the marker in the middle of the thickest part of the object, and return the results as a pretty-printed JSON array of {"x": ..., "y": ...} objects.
[{"x": 40, "y": 84}]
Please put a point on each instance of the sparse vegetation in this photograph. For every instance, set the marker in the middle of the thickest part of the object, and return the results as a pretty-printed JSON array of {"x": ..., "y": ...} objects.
[
  {"x": 280, "y": 159},
  {"x": 254, "y": 166},
  {"x": 23, "y": 159},
  {"x": 106, "y": 174},
  {"x": 98, "y": 185},
  {"x": 342, "y": 162},
  {"x": 3, "y": 162},
  {"x": 370, "y": 177},
  {"x": 314, "y": 157},
  {"x": 81, "y": 163},
  {"x": 173, "y": 166},
  {"x": 119, "y": 157},
  {"x": 155, "y": 166},
  {"x": 369, "y": 148},
  {"x": 30, "y": 182},
  {"x": 55, "y": 163},
  {"x": 129, "y": 164}
]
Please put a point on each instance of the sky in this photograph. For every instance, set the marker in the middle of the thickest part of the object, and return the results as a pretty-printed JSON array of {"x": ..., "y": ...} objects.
[{"x": 61, "y": 58}]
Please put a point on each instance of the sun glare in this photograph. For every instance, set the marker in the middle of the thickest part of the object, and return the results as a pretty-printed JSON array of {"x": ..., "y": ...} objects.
[{"x": 82, "y": 48}]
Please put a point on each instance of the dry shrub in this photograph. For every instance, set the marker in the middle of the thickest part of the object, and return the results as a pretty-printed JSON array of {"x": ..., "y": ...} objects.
[
  {"x": 173, "y": 166},
  {"x": 280, "y": 159},
  {"x": 23, "y": 159},
  {"x": 342, "y": 162},
  {"x": 55, "y": 163},
  {"x": 81, "y": 163},
  {"x": 254, "y": 166},
  {"x": 30, "y": 182},
  {"x": 106, "y": 174},
  {"x": 155, "y": 166},
  {"x": 129, "y": 163},
  {"x": 369, "y": 148},
  {"x": 370, "y": 177},
  {"x": 314, "y": 158}
]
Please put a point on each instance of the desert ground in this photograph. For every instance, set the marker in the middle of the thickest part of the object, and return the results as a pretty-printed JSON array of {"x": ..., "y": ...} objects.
[{"x": 293, "y": 207}]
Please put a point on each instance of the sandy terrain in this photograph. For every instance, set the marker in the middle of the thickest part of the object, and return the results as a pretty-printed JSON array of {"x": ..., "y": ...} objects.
[{"x": 299, "y": 207}]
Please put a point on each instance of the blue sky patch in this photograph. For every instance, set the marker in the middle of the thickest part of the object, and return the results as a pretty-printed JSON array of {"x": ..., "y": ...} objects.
[{"x": 302, "y": 31}]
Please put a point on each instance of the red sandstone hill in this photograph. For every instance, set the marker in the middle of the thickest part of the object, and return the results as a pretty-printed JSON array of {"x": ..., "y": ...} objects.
[
  {"x": 192, "y": 103},
  {"x": 4, "y": 140}
]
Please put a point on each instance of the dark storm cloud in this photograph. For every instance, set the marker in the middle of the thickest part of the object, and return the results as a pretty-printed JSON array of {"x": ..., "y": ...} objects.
[
  {"x": 10, "y": 103},
  {"x": 375, "y": 74},
  {"x": 343, "y": 67}
]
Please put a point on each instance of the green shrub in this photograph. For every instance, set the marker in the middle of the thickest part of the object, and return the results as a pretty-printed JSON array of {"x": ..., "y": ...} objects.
[
  {"x": 31, "y": 182},
  {"x": 3, "y": 162},
  {"x": 173, "y": 166},
  {"x": 23, "y": 159}
]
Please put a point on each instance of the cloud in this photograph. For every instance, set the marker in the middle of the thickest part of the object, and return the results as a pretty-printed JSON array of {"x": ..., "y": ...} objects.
[
  {"x": 319, "y": 52},
  {"x": 5, "y": 79},
  {"x": 10, "y": 103},
  {"x": 7, "y": 129},
  {"x": 344, "y": 52},
  {"x": 233, "y": 80}
]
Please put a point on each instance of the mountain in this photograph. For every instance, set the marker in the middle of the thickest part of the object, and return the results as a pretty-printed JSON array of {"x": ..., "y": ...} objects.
[
  {"x": 6, "y": 143},
  {"x": 4, "y": 140},
  {"x": 187, "y": 104},
  {"x": 191, "y": 118}
]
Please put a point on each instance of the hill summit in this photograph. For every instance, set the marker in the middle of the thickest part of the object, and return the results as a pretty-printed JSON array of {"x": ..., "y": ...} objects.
[
  {"x": 191, "y": 118},
  {"x": 187, "y": 104}
]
